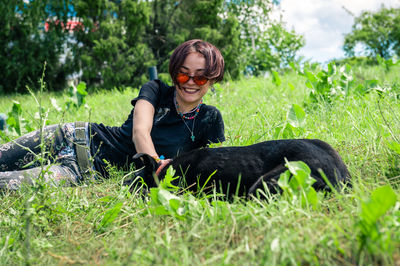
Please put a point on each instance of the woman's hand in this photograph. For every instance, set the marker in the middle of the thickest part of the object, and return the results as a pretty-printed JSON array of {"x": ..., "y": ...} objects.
[{"x": 162, "y": 164}]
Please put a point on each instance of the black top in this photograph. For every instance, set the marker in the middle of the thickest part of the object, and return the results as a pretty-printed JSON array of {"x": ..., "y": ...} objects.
[{"x": 169, "y": 133}]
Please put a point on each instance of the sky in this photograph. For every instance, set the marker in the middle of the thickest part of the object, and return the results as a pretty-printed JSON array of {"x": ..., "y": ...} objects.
[{"x": 323, "y": 23}]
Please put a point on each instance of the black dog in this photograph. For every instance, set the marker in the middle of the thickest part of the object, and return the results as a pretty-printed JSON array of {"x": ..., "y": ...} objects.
[{"x": 244, "y": 169}]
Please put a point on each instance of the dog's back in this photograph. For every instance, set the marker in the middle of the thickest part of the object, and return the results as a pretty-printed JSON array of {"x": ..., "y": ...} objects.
[{"x": 247, "y": 167}]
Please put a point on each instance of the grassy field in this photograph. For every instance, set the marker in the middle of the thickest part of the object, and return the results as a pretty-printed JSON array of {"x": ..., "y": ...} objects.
[{"x": 103, "y": 223}]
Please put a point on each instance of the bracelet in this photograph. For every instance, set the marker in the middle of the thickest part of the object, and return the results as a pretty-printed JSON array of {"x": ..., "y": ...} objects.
[{"x": 158, "y": 159}]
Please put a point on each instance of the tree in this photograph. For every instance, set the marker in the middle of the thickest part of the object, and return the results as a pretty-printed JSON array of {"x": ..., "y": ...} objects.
[
  {"x": 275, "y": 48},
  {"x": 113, "y": 42},
  {"x": 173, "y": 22},
  {"x": 265, "y": 43},
  {"x": 209, "y": 20},
  {"x": 377, "y": 32},
  {"x": 241, "y": 29},
  {"x": 110, "y": 51},
  {"x": 25, "y": 45}
]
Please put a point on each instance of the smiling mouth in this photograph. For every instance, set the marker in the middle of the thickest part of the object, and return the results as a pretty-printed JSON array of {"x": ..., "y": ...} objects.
[{"x": 189, "y": 90}]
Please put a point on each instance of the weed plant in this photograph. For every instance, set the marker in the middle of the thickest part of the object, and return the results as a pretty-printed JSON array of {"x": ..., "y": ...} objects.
[{"x": 103, "y": 223}]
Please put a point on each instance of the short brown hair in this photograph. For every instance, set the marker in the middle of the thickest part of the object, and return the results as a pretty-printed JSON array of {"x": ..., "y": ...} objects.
[{"x": 214, "y": 61}]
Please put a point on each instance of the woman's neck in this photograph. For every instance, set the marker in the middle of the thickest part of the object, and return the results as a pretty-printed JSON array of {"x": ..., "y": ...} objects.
[{"x": 185, "y": 108}]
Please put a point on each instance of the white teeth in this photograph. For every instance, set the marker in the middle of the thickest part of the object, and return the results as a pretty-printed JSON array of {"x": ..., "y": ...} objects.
[{"x": 190, "y": 90}]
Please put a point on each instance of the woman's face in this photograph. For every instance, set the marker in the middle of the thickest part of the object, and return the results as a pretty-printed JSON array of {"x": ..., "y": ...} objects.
[{"x": 189, "y": 93}]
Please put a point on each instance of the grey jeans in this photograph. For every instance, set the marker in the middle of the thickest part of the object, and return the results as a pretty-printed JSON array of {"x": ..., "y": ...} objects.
[{"x": 20, "y": 159}]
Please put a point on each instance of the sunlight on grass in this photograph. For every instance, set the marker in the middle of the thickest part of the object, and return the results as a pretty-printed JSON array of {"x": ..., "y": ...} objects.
[{"x": 104, "y": 223}]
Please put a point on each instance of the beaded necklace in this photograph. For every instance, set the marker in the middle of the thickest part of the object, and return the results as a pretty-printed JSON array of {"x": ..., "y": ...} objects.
[{"x": 183, "y": 116}]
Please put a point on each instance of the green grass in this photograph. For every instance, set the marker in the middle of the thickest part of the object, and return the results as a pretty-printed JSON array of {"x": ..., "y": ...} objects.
[{"x": 67, "y": 225}]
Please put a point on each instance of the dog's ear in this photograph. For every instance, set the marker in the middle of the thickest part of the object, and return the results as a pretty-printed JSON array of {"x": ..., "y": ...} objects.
[
  {"x": 145, "y": 160},
  {"x": 146, "y": 167}
]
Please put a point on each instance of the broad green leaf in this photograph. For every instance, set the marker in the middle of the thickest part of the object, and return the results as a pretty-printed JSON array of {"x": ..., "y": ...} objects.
[
  {"x": 309, "y": 84},
  {"x": 154, "y": 196},
  {"x": 296, "y": 184},
  {"x": 296, "y": 116},
  {"x": 360, "y": 89},
  {"x": 14, "y": 117},
  {"x": 283, "y": 181},
  {"x": 278, "y": 132},
  {"x": 111, "y": 215},
  {"x": 331, "y": 69},
  {"x": 178, "y": 207},
  {"x": 16, "y": 108},
  {"x": 297, "y": 166},
  {"x": 275, "y": 78},
  {"x": 372, "y": 83},
  {"x": 381, "y": 200},
  {"x": 380, "y": 59},
  {"x": 159, "y": 210},
  {"x": 311, "y": 77},
  {"x": 106, "y": 199},
  {"x": 174, "y": 204},
  {"x": 164, "y": 196},
  {"x": 166, "y": 183},
  {"x": 312, "y": 197},
  {"x": 11, "y": 121},
  {"x": 288, "y": 131},
  {"x": 294, "y": 67},
  {"x": 14, "y": 122},
  {"x": 299, "y": 180},
  {"x": 394, "y": 146},
  {"x": 81, "y": 88}
]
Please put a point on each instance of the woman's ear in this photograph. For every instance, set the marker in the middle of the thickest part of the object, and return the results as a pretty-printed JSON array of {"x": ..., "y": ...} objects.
[{"x": 211, "y": 85}]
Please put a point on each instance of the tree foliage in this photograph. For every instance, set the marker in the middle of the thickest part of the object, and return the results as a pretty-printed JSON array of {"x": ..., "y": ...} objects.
[
  {"x": 173, "y": 22},
  {"x": 207, "y": 22},
  {"x": 378, "y": 33},
  {"x": 115, "y": 41},
  {"x": 25, "y": 46},
  {"x": 109, "y": 49},
  {"x": 274, "y": 49}
]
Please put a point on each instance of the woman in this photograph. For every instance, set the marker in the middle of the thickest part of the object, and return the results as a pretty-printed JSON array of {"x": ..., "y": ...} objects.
[{"x": 165, "y": 120}]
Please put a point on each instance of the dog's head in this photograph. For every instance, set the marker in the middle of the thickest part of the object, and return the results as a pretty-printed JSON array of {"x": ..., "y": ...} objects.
[
  {"x": 147, "y": 164},
  {"x": 146, "y": 167},
  {"x": 144, "y": 160}
]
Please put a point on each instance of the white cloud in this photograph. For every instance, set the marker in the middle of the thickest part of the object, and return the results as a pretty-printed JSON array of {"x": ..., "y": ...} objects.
[{"x": 323, "y": 23}]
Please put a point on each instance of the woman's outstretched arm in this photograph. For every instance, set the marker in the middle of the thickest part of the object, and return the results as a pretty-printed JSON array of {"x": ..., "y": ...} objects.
[{"x": 143, "y": 122}]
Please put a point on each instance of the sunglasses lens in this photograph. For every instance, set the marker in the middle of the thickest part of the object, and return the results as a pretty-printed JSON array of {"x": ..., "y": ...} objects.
[
  {"x": 182, "y": 78},
  {"x": 200, "y": 80}
]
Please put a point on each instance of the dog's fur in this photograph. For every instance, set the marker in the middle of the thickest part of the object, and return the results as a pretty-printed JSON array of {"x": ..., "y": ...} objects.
[{"x": 252, "y": 165}]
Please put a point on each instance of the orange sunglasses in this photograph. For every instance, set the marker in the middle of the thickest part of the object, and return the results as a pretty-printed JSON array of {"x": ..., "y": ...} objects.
[{"x": 182, "y": 78}]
